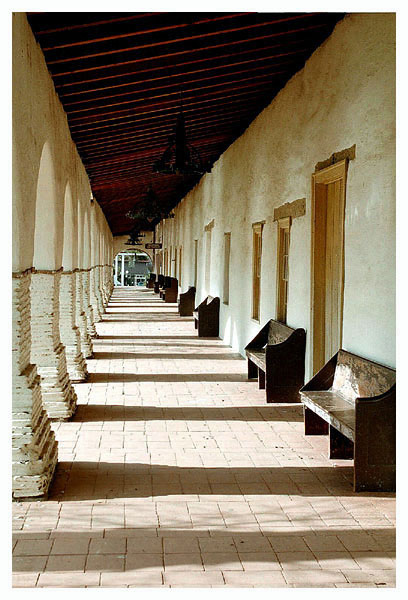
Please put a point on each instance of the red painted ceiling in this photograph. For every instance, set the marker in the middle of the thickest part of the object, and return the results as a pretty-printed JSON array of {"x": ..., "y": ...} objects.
[{"x": 119, "y": 78}]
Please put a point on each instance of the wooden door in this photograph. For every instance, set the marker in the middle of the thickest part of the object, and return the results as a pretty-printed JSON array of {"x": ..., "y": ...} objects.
[{"x": 328, "y": 203}]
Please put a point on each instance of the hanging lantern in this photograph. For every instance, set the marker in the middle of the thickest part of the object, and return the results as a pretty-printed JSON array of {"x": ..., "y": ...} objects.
[
  {"x": 134, "y": 237},
  {"x": 149, "y": 209},
  {"x": 180, "y": 157}
]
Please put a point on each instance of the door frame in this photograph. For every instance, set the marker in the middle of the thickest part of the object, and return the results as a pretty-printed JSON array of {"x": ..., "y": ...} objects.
[{"x": 330, "y": 174}]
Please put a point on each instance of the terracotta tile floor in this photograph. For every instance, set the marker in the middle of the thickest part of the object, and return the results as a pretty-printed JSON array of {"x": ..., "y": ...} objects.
[{"x": 174, "y": 472}]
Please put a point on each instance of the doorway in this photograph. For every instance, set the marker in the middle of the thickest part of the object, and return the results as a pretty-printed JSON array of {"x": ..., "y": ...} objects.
[{"x": 328, "y": 207}]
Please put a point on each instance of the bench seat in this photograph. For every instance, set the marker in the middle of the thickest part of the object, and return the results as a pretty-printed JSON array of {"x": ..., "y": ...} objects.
[
  {"x": 334, "y": 408},
  {"x": 258, "y": 357}
]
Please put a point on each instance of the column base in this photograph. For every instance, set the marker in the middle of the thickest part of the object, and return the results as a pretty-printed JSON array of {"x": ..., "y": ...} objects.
[
  {"x": 47, "y": 352},
  {"x": 35, "y": 450}
]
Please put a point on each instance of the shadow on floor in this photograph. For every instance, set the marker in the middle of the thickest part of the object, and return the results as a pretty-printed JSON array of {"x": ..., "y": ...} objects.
[
  {"x": 100, "y": 412},
  {"x": 165, "y": 344},
  {"x": 114, "y": 355},
  {"x": 169, "y": 547},
  {"x": 165, "y": 377},
  {"x": 157, "y": 337},
  {"x": 136, "y": 317},
  {"x": 101, "y": 480}
]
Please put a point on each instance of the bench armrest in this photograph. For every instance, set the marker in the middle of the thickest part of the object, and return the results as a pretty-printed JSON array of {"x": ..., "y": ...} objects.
[
  {"x": 323, "y": 380},
  {"x": 204, "y": 308},
  {"x": 381, "y": 398},
  {"x": 260, "y": 339},
  {"x": 298, "y": 337}
]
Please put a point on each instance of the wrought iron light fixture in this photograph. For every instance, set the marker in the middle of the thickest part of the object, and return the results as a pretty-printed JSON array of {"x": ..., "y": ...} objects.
[
  {"x": 149, "y": 210},
  {"x": 180, "y": 157},
  {"x": 135, "y": 237}
]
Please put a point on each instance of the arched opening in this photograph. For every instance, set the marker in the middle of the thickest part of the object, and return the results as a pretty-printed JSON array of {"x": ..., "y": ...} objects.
[
  {"x": 131, "y": 268},
  {"x": 70, "y": 247},
  {"x": 47, "y": 253}
]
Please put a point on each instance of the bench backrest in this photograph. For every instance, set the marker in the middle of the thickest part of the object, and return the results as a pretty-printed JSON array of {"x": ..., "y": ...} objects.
[
  {"x": 357, "y": 377},
  {"x": 278, "y": 332}
]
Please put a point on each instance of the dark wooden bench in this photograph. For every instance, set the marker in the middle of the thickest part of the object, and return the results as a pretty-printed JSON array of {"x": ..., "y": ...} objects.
[
  {"x": 187, "y": 302},
  {"x": 170, "y": 292},
  {"x": 166, "y": 283},
  {"x": 353, "y": 400},
  {"x": 158, "y": 283},
  {"x": 151, "y": 280},
  {"x": 276, "y": 356},
  {"x": 207, "y": 317}
]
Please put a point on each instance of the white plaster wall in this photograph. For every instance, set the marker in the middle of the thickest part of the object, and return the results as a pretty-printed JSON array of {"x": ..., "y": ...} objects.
[
  {"x": 39, "y": 120},
  {"x": 343, "y": 96}
]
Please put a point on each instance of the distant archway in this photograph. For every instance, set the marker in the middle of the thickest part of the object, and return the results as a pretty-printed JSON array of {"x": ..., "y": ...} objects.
[{"x": 131, "y": 268}]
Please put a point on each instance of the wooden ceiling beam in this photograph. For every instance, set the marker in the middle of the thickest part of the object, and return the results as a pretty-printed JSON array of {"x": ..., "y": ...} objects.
[
  {"x": 225, "y": 44},
  {"x": 33, "y": 17},
  {"x": 183, "y": 39},
  {"x": 58, "y": 44},
  {"x": 208, "y": 63},
  {"x": 239, "y": 89},
  {"x": 166, "y": 129},
  {"x": 286, "y": 59},
  {"x": 147, "y": 88},
  {"x": 170, "y": 114}
]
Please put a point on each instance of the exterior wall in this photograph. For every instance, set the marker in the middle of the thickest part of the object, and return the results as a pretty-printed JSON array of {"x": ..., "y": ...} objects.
[{"x": 343, "y": 96}]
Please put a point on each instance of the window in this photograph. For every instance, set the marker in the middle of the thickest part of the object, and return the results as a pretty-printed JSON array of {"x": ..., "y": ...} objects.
[
  {"x": 227, "y": 251},
  {"x": 283, "y": 268},
  {"x": 256, "y": 268}
]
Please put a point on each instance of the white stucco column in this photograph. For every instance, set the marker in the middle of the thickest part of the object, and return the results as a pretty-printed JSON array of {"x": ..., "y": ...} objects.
[
  {"x": 47, "y": 351},
  {"x": 80, "y": 317},
  {"x": 88, "y": 310},
  {"x": 93, "y": 298},
  {"x": 122, "y": 271},
  {"x": 69, "y": 331},
  {"x": 34, "y": 448},
  {"x": 98, "y": 290}
]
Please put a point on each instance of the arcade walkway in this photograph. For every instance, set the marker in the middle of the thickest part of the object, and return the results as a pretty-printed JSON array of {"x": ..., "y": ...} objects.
[{"x": 174, "y": 472}]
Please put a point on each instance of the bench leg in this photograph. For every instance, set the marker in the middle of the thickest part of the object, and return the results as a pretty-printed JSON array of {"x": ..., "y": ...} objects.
[
  {"x": 340, "y": 445},
  {"x": 314, "y": 425},
  {"x": 252, "y": 370},
  {"x": 195, "y": 324},
  {"x": 261, "y": 379}
]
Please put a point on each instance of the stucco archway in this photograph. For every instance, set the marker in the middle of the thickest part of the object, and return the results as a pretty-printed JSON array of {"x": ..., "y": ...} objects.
[{"x": 47, "y": 246}]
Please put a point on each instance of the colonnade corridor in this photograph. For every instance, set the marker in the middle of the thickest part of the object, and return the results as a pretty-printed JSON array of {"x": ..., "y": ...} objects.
[{"x": 175, "y": 472}]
